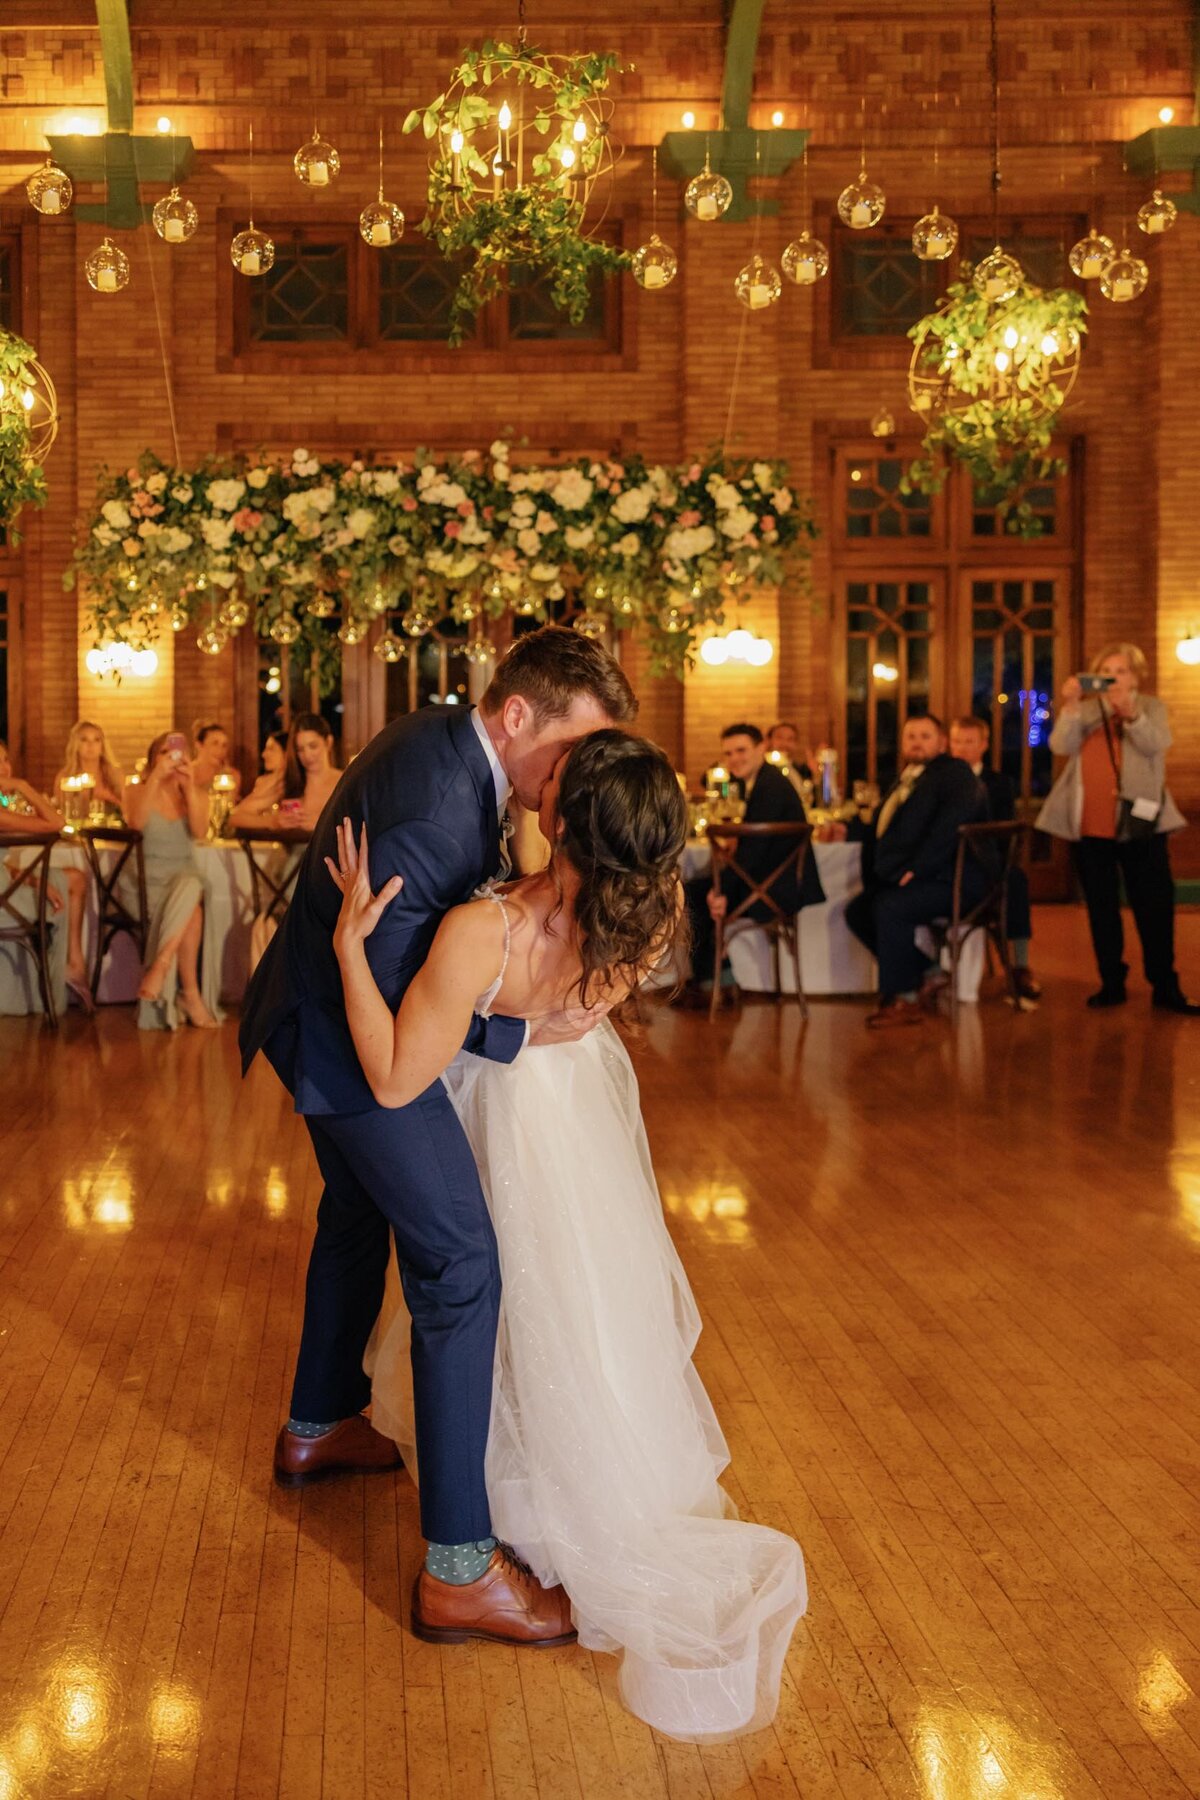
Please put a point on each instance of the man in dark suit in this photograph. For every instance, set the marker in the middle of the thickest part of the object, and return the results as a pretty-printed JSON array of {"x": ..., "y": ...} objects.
[
  {"x": 432, "y": 790},
  {"x": 970, "y": 738},
  {"x": 770, "y": 800},
  {"x": 908, "y": 865}
]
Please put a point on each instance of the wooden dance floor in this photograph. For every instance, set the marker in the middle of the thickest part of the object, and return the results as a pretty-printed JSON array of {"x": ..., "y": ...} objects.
[{"x": 949, "y": 1283}]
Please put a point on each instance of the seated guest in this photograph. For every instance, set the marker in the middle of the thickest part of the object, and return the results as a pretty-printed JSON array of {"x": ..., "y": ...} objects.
[
  {"x": 309, "y": 778},
  {"x": 24, "y": 812},
  {"x": 970, "y": 737},
  {"x": 87, "y": 753},
  {"x": 269, "y": 785},
  {"x": 770, "y": 800},
  {"x": 171, "y": 810},
  {"x": 211, "y": 756},
  {"x": 783, "y": 747},
  {"x": 908, "y": 865}
]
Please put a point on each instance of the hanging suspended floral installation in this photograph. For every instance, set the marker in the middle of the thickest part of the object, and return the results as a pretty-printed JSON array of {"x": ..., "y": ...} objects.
[
  {"x": 521, "y": 141},
  {"x": 988, "y": 379},
  {"x": 28, "y": 427},
  {"x": 306, "y": 550}
]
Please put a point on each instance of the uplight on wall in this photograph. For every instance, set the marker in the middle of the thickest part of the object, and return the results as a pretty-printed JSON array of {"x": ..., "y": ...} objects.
[
  {"x": 737, "y": 647},
  {"x": 1188, "y": 648},
  {"x": 120, "y": 659}
]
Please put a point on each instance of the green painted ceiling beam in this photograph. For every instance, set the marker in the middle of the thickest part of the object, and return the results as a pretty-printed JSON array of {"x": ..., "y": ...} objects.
[
  {"x": 736, "y": 152},
  {"x": 119, "y": 159}
]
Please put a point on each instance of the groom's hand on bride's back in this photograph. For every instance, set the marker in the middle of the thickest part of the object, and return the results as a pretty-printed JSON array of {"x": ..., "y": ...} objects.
[{"x": 567, "y": 1026}]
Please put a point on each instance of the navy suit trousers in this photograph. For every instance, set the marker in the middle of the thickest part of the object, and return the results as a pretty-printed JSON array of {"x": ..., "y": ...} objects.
[{"x": 409, "y": 1173}]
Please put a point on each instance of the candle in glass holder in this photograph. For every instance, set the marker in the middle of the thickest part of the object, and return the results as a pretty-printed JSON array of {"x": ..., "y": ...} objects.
[
  {"x": 654, "y": 276},
  {"x": 173, "y": 231},
  {"x": 381, "y": 234},
  {"x": 860, "y": 214},
  {"x": 760, "y": 295},
  {"x": 251, "y": 262},
  {"x": 318, "y": 174},
  {"x": 49, "y": 202},
  {"x": 106, "y": 281},
  {"x": 706, "y": 206}
]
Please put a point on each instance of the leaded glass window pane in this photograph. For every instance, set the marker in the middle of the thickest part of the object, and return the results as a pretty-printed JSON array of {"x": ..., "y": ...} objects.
[{"x": 304, "y": 297}]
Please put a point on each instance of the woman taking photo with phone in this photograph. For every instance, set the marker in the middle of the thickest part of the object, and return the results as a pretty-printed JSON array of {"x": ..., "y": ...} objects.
[
  {"x": 170, "y": 811},
  {"x": 1112, "y": 804}
]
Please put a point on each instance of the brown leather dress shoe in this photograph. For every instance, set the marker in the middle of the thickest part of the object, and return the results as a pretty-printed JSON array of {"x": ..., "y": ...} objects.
[
  {"x": 896, "y": 1012},
  {"x": 507, "y": 1605},
  {"x": 353, "y": 1447}
]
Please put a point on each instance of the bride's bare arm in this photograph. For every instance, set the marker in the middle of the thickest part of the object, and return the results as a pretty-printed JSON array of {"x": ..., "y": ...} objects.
[{"x": 402, "y": 1055}]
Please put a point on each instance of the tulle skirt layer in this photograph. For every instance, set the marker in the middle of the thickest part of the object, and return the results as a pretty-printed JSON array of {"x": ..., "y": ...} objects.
[{"x": 604, "y": 1454}]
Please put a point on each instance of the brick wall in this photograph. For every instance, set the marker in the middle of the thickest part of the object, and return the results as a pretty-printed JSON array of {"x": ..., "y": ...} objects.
[{"x": 703, "y": 371}]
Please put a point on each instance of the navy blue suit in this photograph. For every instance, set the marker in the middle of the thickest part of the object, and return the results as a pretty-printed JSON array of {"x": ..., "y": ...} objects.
[{"x": 424, "y": 789}]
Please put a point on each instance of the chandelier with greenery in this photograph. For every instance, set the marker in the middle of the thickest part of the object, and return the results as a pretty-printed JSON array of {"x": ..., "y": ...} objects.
[
  {"x": 522, "y": 153},
  {"x": 28, "y": 427}
]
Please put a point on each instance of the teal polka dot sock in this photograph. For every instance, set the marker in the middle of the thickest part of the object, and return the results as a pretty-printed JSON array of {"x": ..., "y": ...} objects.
[
  {"x": 305, "y": 1428},
  {"x": 459, "y": 1564}
]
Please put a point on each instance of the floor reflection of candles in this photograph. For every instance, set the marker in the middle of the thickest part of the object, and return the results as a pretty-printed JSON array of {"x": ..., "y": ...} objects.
[
  {"x": 964, "y": 1757},
  {"x": 174, "y": 1717},
  {"x": 102, "y": 1199},
  {"x": 276, "y": 1194}
]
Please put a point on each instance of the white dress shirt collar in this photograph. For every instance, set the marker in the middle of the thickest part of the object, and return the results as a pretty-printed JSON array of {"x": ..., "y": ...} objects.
[{"x": 502, "y": 783}]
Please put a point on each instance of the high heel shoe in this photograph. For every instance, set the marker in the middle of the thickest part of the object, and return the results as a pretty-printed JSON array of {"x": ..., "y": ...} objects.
[
  {"x": 205, "y": 1022},
  {"x": 79, "y": 990}
]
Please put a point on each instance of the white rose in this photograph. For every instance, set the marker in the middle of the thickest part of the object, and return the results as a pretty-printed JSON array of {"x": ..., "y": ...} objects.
[
  {"x": 529, "y": 541},
  {"x": 781, "y": 500},
  {"x": 385, "y": 481},
  {"x": 473, "y": 532},
  {"x": 632, "y": 506},
  {"x": 572, "y": 490},
  {"x": 225, "y": 495},
  {"x": 580, "y": 536},
  {"x": 518, "y": 483},
  {"x": 320, "y": 499},
  {"x": 726, "y": 496},
  {"x": 117, "y": 514},
  {"x": 398, "y": 544},
  {"x": 148, "y": 529},
  {"x": 501, "y": 472},
  {"x": 104, "y": 534},
  {"x": 173, "y": 540},
  {"x": 270, "y": 560},
  {"x": 361, "y": 522},
  {"x": 425, "y": 474},
  {"x": 499, "y": 451},
  {"x": 543, "y": 571},
  {"x": 737, "y": 522},
  {"x": 545, "y": 523},
  {"x": 222, "y": 578},
  {"x": 258, "y": 478},
  {"x": 687, "y": 541},
  {"x": 630, "y": 544},
  {"x": 156, "y": 483},
  {"x": 763, "y": 474},
  {"x": 182, "y": 494},
  {"x": 216, "y": 533},
  {"x": 523, "y": 508}
]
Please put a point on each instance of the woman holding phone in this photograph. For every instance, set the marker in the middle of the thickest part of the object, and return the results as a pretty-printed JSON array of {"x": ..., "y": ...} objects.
[
  {"x": 170, "y": 811},
  {"x": 1112, "y": 804}
]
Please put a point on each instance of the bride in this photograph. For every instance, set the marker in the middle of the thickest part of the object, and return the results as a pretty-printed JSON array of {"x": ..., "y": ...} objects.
[{"x": 604, "y": 1451}]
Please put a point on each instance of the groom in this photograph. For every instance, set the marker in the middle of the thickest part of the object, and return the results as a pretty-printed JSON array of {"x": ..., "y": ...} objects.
[{"x": 431, "y": 789}]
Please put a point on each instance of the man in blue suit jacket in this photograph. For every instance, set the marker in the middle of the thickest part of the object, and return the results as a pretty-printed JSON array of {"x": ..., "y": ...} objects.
[{"x": 431, "y": 789}]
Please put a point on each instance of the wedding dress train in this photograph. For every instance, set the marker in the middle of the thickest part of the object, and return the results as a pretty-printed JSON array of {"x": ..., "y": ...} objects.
[{"x": 604, "y": 1452}]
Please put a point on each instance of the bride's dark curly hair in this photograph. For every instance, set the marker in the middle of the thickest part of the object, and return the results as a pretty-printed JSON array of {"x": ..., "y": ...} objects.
[{"x": 624, "y": 827}]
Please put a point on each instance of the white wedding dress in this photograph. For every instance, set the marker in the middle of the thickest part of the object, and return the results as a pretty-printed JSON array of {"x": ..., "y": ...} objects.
[{"x": 604, "y": 1452}]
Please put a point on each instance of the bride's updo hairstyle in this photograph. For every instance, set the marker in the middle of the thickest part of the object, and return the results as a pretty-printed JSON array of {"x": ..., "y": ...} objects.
[{"x": 624, "y": 827}]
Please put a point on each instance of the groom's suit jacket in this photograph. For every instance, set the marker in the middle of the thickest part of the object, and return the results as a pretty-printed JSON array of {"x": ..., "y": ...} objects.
[{"x": 425, "y": 792}]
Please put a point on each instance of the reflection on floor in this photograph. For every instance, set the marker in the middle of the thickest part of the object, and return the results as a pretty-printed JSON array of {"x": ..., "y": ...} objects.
[{"x": 949, "y": 1280}]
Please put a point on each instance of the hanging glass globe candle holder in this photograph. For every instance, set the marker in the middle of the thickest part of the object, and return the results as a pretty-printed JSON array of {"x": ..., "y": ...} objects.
[
  {"x": 707, "y": 195},
  {"x": 1157, "y": 215},
  {"x": 883, "y": 422},
  {"x": 480, "y": 650},
  {"x": 49, "y": 189},
  {"x": 107, "y": 268},
  {"x": 757, "y": 285},
  {"x": 1125, "y": 276},
  {"x": 252, "y": 252},
  {"x": 390, "y": 648},
  {"x": 175, "y": 219},
  {"x": 625, "y": 606},
  {"x": 676, "y": 619},
  {"x": 352, "y": 631},
  {"x": 998, "y": 276},
  {"x": 381, "y": 224},
  {"x": 212, "y": 640},
  {"x": 321, "y": 606},
  {"x": 935, "y": 237},
  {"x": 378, "y": 602},
  {"x": 805, "y": 260},
  {"x": 654, "y": 265},
  {"x": 590, "y": 624},
  {"x": 417, "y": 623},
  {"x": 1090, "y": 255},
  {"x": 861, "y": 204},
  {"x": 317, "y": 163},
  {"x": 179, "y": 618},
  {"x": 285, "y": 629},
  {"x": 234, "y": 614}
]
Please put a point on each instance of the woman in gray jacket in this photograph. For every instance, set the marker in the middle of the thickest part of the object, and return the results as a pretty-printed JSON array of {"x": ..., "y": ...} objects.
[{"x": 1111, "y": 802}]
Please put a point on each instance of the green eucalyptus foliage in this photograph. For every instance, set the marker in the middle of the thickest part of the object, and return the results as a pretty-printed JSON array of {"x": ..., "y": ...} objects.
[
  {"x": 1004, "y": 444},
  {"x": 22, "y": 480}
]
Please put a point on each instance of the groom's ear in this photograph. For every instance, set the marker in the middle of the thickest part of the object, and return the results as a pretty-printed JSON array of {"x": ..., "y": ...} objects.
[{"x": 515, "y": 713}]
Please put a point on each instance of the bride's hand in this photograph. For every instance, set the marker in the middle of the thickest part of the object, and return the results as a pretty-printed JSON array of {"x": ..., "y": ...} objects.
[
  {"x": 361, "y": 910},
  {"x": 567, "y": 1026}
]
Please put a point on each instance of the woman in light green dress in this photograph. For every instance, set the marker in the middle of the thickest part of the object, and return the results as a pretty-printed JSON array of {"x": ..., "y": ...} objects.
[{"x": 170, "y": 811}]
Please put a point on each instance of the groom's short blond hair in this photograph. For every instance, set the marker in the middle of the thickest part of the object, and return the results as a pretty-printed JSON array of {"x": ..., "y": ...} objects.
[{"x": 553, "y": 667}]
